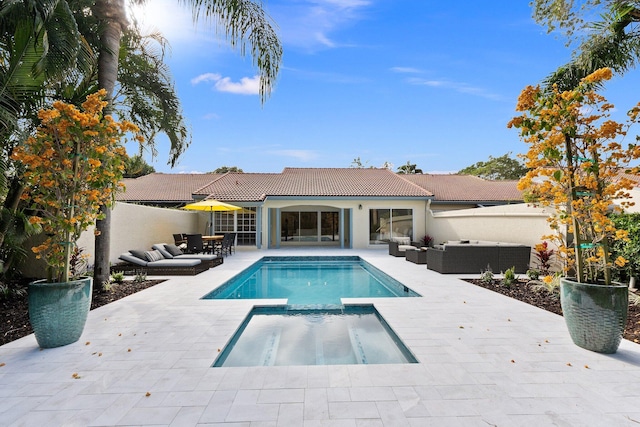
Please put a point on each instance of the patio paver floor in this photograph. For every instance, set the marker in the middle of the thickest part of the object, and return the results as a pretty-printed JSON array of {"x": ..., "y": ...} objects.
[{"x": 485, "y": 359}]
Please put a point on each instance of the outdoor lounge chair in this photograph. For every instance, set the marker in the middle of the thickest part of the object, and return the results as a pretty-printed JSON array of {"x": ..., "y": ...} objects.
[
  {"x": 134, "y": 264},
  {"x": 173, "y": 252}
]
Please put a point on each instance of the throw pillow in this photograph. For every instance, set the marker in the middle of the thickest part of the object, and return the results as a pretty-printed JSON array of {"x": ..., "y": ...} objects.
[
  {"x": 138, "y": 254},
  {"x": 153, "y": 256},
  {"x": 173, "y": 250}
]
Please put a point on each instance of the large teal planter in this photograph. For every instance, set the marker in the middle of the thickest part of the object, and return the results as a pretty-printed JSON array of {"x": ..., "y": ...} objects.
[
  {"x": 58, "y": 311},
  {"x": 596, "y": 315}
]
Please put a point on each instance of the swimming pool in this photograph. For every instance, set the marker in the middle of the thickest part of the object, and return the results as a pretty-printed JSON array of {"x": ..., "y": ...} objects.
[
  {"x": 281, "y": 336},
  {"x": 308, "y": 280}
]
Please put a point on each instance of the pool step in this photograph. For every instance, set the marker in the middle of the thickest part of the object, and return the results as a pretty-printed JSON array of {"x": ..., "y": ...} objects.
[
  {"x": 270, "y": 351},
  {"x": 354, "y": 336}
]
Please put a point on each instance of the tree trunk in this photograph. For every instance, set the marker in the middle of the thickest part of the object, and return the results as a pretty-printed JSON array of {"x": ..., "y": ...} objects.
[{"x": 112, "y": 14}]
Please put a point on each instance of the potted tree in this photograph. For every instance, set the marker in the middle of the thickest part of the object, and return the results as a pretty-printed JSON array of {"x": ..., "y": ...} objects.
[
  {"x": 72, "y": 166},
  {"x": 576, "y": 162}
]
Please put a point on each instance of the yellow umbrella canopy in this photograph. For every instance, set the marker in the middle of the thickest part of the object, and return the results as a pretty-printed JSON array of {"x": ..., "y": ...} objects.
[{"x": 211, "y": 205}]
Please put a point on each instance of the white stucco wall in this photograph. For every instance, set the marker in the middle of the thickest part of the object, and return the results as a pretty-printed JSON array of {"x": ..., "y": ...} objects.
[
  {"x": 139, "y": 227},
  {"x": 360, "y": 221},
  {"x": 518, "y": 223}
]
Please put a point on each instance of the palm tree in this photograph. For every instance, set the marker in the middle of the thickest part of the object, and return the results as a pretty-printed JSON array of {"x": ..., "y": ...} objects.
[
  {"x": 39, "y": 42},
  {"x": 30, "y": 79},
  {"x": 243, "y": 21},
  {"x": 66, "y": 67},
  {"x": 612, "y": 42}
]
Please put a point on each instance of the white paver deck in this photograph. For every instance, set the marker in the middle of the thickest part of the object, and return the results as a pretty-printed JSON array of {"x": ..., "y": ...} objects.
[{"x": 485, "y": 360}]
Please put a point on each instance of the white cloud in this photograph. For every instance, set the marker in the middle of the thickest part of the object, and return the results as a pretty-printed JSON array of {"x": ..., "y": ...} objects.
[
  {"x": 311, "y": 24},
  {"x": 246, "y": 85},
  {"x": 407, "y": 70},
  {"x": 211, "y": 116},
  {"x": 206, "y": 77},
  {"x": 455, "y": 86},
  {"x": 301, "y": 155}
]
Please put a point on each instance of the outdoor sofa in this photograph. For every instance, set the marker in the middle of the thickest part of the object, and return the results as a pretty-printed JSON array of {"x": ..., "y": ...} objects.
[
  {"x": 398, "y": 246},
  {"x": 153, "y": 263},
  {"x": 169, "y": 251},
  {"x": 474, "y": 256}
]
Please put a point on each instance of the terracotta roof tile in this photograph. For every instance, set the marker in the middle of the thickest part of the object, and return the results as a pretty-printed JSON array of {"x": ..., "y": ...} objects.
[
  {"x": 315, "y": 182},
  {"x": 460, "y": 188},
  {"x": 309, "y": 182},
  {"x": 159, "y": 187}
]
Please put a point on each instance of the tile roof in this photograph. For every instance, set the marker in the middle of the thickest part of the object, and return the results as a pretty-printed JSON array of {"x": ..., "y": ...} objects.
[
  {"x": 466, "y": 188},
  {"x": 315, "y": 182},
  {"x": 312, "y": 182},
  {"x": 160, "y": 187}
]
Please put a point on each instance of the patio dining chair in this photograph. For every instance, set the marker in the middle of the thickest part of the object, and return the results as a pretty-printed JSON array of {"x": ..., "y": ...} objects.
[
  {"x": 195, "y": 245},
  {"x": 179, "y": 239},
  {"x": 228, "y": 243}
]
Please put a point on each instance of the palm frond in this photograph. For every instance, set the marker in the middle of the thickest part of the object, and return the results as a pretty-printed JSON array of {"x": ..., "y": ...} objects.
[{"x": 242, "y": 22}]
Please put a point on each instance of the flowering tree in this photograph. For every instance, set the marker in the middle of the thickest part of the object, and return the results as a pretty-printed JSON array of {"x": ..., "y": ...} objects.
[
  {"x": 74, "y": 164},
  {"x": 577, "y": 162}
]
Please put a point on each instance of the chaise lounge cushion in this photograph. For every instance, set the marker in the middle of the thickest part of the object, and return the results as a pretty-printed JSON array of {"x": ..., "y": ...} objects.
[
  {"x": 162, "y": 247},
  {"x": 160, "y": 263},
  {"x": 209, "y": 260}
]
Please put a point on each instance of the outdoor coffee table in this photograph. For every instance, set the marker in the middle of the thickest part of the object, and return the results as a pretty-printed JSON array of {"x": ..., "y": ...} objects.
[{"x": 417, "y": 257}]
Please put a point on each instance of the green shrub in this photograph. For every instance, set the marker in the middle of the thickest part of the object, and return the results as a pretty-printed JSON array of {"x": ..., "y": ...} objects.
[
  {"x": 140, "y": 276},
  {"x": 117, "y": 277},
  {"x": 549, "y": 284},
  {"x": 509, "y": 277},
  {"x": 533, "y": 274},
  {"x": 487, "y": 275}
]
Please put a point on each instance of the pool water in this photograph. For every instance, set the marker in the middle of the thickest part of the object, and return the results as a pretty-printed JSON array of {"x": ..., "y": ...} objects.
[
  {"x": 281, "y": 336},
  {"x": 311, "y": 281}
]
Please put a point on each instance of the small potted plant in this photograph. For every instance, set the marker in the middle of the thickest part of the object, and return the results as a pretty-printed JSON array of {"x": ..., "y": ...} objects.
[
  {"x": 72, "y": 166},
  {"x": 576, "y": 162},
  {"x": 426, "y": 240}
]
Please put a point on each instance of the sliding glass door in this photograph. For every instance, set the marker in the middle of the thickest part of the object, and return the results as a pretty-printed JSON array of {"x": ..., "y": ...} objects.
[
  {"x": 387, "y": 223},
  {"x": 309, "y": 227}
]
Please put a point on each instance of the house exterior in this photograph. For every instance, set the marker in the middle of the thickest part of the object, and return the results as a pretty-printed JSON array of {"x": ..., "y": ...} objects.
[{"x": 339, "y": 207}]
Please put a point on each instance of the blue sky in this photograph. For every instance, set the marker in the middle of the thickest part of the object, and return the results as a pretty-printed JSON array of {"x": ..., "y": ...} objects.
[{"x": 430, "y": 82}]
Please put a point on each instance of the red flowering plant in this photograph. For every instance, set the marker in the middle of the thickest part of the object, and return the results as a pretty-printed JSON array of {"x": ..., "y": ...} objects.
[
  {"x": 576, "y": 161},
  {"x": 544, "y": 256},
  {"x": 73, "y": 166}
]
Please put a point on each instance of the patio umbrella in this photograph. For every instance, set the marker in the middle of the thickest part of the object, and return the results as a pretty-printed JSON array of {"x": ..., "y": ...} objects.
[{"x": 211, "y": 206}]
